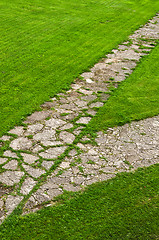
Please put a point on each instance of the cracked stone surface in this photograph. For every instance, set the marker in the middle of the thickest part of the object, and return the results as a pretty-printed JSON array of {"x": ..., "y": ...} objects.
[{"x": 48, "y": 133}]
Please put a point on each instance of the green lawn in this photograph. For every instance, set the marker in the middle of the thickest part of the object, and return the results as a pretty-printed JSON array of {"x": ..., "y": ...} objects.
[
  {"x": 45, "y": 45},
  {"x": 125, "y": 207},
  {"x": 136, "y": 98}
]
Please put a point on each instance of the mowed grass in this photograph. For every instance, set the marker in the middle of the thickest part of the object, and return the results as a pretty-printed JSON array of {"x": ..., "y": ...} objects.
[
  {"x": 45, "y": 45},
  {"x": 135, "y": 99},
  {"x": 125, "y": 207}
]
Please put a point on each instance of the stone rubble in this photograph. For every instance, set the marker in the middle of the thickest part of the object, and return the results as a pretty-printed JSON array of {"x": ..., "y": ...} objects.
[{"x": 49, "y": 133}]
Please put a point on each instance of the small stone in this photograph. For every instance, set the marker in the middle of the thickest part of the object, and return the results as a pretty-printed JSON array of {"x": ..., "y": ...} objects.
[
  {"x": 3, "y": 160},
  {"x": 67, "y": 137},
  {"x": 12, "y": 165},
  {"x": 96, "y": 104},
  {"x": 81, "y": 103},
  {"x": 8, "y": 153},
  {"x": 34, "y": 172},
  {"x": 76, "y": 86},
  {"x": 37, "y": 148},
  {"x": 91, "y": 112},
  {"x": 73, "y": 153},
  {"x": 45, "y": 135},
  {"x": 54, "y": 123},
  {"x": 64, "y": 165},
  {"x": 86, "y": 92},
  {"x": 5, "y": 138},
  {"x": 92, "y": 152},
  {"x": 67, "y": 126},
  {"x": 51, "y": 143},
  {"x": 21, "y": 144},
  {"x": 47, "y": 164},
  {"x": 27, "y": 186},
  {"x": 10, "y": 178},
  {"x": 84, "y": 120},
  {"x": 52, "y": 153},
  {"x": 88, "y": 80},
  {"x": 29, "y": 158},
  {"x": 71, "y": 188},
  {"x": 17, "y": 130},
  {"x": 38, "y": 116},
  {"x": 34, "y": 128},
  {"x": 12, "y": 202}
]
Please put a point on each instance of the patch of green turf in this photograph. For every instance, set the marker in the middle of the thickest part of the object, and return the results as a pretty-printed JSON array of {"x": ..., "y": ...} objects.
[
  {"x": 125, "y": 207},
  {"x": 135, "y": 99},
  {"x": 45, "y": 45}
]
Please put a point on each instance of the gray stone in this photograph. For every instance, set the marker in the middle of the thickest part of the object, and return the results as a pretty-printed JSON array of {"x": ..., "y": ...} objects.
[
  {"x": 53, "y": 152},
  {"x": 73, "y": 152},
  {"x": 3, "y": 160},
  {"x": 12, "y": 202},
  {"x": 67, "y": 126},
  {"x": 8, "y": 153},
  {"x": 91, "y": 112},
  {"x": 34, "y": 128},
  {"x": 29, "y": 158},
  {"x": 34, "y": 172},
  {"x": 47, "y": 164},
  {"x": 71, "y": 188},
  {"x": 12, "y": 165},
  {"x": 45, "y": 135},
  {"x": 86, "y": 92},
  {"x": 96, "y": 104},
  {"x": 51, "y": 143},
  {"x": 66, "y": 137},
  {"x": 27, "y": 186},
  {"x": 10, "y": 178},
  {"x": 5, "y": 138},
  {"x": 17, "y": 130},
  {"x": 65, "y": 165},
  {"x": 84, "y": 120},
  {"x": 21, "y": 144},
  {"x": 38, "y": 116},
  {"x": 54, "y": 123}
]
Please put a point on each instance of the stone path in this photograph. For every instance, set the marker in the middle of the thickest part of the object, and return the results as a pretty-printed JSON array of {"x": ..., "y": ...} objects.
[{"x": 49, "y": 147}]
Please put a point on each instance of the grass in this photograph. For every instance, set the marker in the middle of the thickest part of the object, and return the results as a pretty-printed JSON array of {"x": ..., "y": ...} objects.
[
  {"x": 125, "y": 207},
  {"x": 135, "y": 99},
  {"x": 45, "y": 45}
]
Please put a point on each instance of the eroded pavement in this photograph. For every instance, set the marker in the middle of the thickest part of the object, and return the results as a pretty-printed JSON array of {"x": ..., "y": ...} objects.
[{"x": 47, "y": 155}]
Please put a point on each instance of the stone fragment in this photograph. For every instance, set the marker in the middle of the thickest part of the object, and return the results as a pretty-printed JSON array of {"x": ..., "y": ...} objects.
[
  {"x": 84, "y": 120},
  {"x": 17, "y": 130},
  {"x": 86, "y": 92},
  {"x": 51, "y": 143},
  {"x": 34, "y": 172},
  {"x": 37, "y": 148},
  {"x": 91, "y": 112},
  {"x": 67, "y": 137},
  {"x": 21, "y": 144},
  {"x": 8, "y": 153},
  {"x": 12, "y": 165},
  {"x": 54, "y": 123},
  {"x": 47, "y": 164},
  {"x": 71, "y": 188},
  {"x": 29, "y": 158},
  {"x": 88, "y": 80},
  {"x": 5, "y": 138},
  {"x": 34, "y": 128},
  {"x": 45, "y": 135},
  {"x": 81, "y": 104},
  {"x": 72, "y": 153},
  {"x": 12, "y": 202},
  {"x": 10, "y": 178},
  {"x": 64, "y": 165},
  {"x": 53, "y": 152},
  {"x": 3, "y": 160},
  {"x": 96, "y": 104},
  {"x": 38, "y": 116},
  {"x": 67, "y": 126},
  {"x": 27, "y": 186}
]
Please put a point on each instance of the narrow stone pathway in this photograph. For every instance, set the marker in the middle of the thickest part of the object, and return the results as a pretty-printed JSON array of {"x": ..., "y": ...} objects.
[{"x": 49, "y": 148}]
